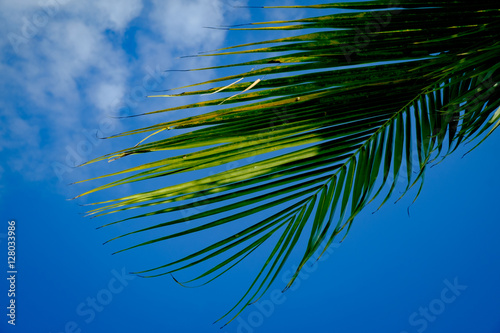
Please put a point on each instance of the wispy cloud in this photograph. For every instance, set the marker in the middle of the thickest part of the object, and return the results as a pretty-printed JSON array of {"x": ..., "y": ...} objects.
[{"x": 75, "y": 62}]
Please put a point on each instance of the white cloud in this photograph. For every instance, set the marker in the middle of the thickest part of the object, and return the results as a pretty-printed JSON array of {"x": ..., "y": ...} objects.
[
  {"x": 181, "y": 23},
  {"x": 67, "y": 71},
  {"x": 177, "y": 27},
  {"x": 118, "y": 13},
  {"x": 21, "y": 132},
  {"x": 65, "y": 75},
  {"x": 105, "y": 94}
]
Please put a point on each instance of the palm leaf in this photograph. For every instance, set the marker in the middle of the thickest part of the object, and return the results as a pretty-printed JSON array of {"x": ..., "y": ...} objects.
[{"x": 319, "y": 129}]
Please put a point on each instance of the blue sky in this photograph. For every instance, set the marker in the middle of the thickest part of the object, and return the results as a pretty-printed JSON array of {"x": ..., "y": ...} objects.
[{"x": 69, "y": 67}]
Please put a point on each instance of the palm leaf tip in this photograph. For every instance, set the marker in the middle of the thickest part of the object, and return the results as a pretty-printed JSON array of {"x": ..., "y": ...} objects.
[{"x": 331, "y": 121}]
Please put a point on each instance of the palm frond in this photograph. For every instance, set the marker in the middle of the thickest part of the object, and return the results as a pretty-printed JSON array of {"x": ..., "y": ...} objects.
[{"x": 330, "y": 121}]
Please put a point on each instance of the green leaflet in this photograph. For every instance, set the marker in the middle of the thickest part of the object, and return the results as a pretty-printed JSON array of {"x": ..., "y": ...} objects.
[{"x": 320, "y": 127}]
